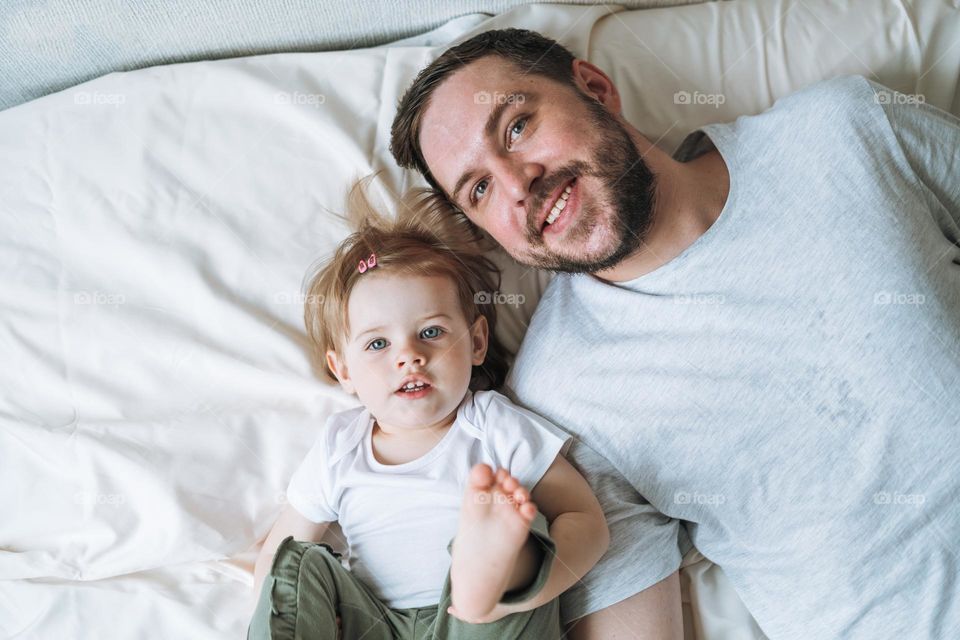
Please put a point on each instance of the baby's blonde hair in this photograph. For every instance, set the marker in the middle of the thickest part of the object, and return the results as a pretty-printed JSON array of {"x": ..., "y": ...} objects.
[{"x": 426, "y": 239}]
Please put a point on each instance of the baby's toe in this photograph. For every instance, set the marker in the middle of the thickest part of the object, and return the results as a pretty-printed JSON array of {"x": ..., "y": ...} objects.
[
  {"x": 528, "y": 511},
  {"x": 481, "y": 476},
  {"x": 509, "y": 484},
  {"x": 520, "y": 495}
]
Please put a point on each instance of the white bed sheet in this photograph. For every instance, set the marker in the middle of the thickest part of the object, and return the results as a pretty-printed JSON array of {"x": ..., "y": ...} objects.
[{"x": 156, "y": 393}]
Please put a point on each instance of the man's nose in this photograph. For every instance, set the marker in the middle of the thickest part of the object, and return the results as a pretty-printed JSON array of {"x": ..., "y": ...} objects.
[{"x": 517, "y": 177}]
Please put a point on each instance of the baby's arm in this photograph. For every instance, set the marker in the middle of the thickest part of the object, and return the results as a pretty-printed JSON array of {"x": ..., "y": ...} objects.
[
  {"x": 290, "y": 523},
  {"x": 577, "y": 527}
]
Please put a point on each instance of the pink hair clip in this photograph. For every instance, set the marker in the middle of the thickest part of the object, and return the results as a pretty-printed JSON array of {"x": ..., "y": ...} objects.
[{"x": 367, "y": 264}]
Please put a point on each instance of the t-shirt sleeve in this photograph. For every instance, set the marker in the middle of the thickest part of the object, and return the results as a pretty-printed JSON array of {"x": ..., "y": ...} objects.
[
  {"x": 310, "y": 486},
  {"x": 930, "y": 140},
  {"x": 519, "y": 440}
]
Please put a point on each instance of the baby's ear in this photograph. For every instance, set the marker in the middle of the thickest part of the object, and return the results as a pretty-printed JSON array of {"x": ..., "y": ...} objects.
[
  {"x": 479, "y": 335},
  {"x": 339, "y": 369}
]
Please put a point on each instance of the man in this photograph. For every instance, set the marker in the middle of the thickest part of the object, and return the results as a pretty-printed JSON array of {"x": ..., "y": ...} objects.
[{"x": 760, "y": 333}]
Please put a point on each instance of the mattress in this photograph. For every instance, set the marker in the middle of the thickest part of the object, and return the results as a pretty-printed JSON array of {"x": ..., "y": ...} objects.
[{"x": 156, "y": 226}]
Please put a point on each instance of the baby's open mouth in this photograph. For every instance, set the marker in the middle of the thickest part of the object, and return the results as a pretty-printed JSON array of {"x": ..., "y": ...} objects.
[{"x": 410, "y": 387}]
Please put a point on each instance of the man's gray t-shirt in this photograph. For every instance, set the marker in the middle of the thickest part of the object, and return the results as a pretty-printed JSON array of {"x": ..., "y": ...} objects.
[{"x": 786, "y": 392}]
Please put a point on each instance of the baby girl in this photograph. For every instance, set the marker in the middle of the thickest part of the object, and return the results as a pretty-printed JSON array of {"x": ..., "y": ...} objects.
[{"x": 462, "y": 517}]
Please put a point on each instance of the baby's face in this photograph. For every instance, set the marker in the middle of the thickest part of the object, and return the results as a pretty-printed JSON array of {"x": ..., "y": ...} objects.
[{"x": 403, "y": 329}]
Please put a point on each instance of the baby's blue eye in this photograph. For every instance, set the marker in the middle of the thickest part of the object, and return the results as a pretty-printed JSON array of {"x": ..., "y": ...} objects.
[
  {"x": 431, "y": 332},
  {"x": 377, "y": 345}
]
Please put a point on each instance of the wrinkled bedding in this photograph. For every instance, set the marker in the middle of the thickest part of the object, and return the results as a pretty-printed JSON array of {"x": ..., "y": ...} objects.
[{"x": 156, "y": 225}]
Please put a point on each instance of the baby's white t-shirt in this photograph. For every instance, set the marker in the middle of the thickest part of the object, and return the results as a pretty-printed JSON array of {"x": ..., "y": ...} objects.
[{"x": 399, "y": 519}]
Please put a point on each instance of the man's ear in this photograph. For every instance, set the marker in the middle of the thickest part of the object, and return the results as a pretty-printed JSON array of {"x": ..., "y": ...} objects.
[
  {"x": 479, "y": 339},
  {"x": 597, "y": 85},
  {"x": 339, "y": 369}
]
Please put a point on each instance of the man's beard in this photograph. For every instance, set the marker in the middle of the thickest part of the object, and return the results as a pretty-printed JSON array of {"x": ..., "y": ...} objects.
[{"x": 626, "y": 197}]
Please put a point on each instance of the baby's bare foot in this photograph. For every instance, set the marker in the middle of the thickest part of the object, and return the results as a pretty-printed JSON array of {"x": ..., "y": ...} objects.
[{"x": 494, "y": 525}]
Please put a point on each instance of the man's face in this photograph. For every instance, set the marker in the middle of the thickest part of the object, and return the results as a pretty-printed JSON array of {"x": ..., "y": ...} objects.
[{"x": 547, "y": 171}]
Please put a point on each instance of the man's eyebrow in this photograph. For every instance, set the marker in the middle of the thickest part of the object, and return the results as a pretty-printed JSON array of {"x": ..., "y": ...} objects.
[{"x": 504, "y": 102}]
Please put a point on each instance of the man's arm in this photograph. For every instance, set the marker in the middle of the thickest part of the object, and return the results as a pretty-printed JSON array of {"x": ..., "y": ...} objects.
[
  {"x": 577, "y": 528},
  {"x": 930, "y": 139},
  {"x": 653, "y": 614}
]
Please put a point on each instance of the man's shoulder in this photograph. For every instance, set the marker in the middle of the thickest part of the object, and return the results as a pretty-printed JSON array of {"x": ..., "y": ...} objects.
[
  {"x": 824, "y": 98},
  {"x": 816, "y": 120},
  {"x": 830, "y": 104}
]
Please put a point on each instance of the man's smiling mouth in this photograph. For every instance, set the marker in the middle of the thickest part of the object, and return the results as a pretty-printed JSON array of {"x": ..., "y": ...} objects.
[
  {"x": 559, "y": 205},
  {"x": 556, "y": 205},
  {"x": 566, "y": 206}
]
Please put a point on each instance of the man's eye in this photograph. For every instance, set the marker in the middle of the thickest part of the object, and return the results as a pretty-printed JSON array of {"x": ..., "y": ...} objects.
[
  {"x": 517, "y": 128},
  {"x": 478, "y": 192},
  {"x": 377, "y": 345},
  {"x": 431, "y": 332}
]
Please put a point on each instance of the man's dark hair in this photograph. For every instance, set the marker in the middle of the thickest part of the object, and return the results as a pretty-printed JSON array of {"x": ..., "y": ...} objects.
[{"x": 528, "y": 51}]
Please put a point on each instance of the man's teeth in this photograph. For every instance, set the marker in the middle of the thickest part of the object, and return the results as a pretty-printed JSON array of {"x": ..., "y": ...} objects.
[{"x": 561, "y": 203}]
